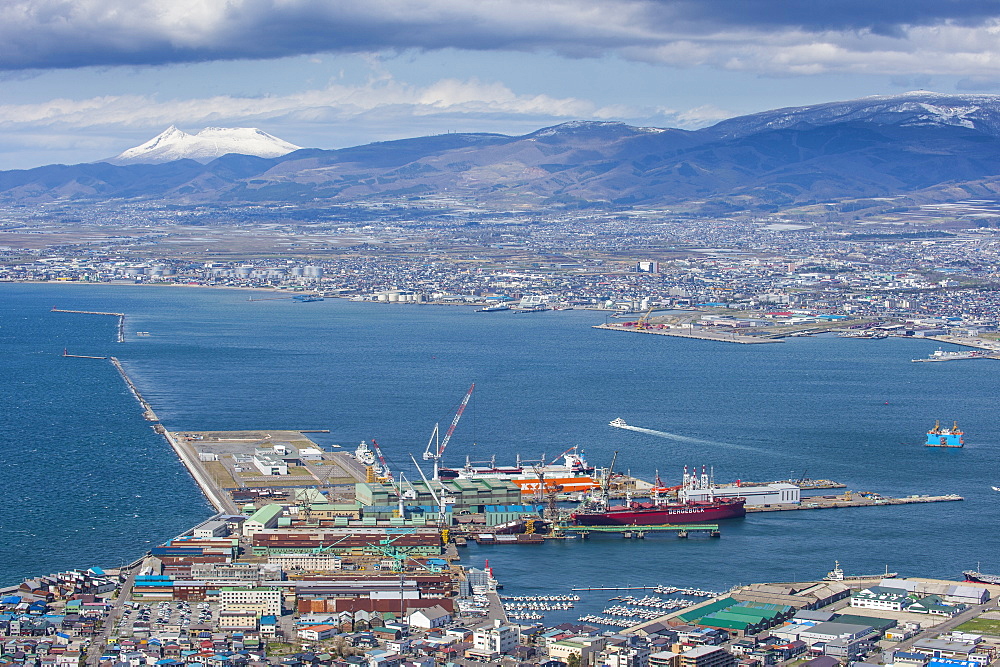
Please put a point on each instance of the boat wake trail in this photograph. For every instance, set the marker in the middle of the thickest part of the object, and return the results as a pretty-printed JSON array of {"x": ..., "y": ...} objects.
[{"x": 694, "y": 441}]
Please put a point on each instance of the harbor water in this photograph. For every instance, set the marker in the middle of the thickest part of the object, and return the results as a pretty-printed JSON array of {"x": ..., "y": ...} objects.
[{"x": 88, "y": 482}]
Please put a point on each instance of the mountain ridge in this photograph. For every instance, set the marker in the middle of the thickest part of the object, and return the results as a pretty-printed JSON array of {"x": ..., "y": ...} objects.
[{"x": 927, "y": 146}]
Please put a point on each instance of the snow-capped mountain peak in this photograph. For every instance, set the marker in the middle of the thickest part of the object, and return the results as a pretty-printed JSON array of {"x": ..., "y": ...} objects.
[
  {"x": 916, "y": 108},
  {"x": 212, "y": 142}
]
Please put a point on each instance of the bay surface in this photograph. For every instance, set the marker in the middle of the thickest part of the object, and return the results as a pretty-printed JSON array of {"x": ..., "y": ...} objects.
[{"x": 88, "y": 482}]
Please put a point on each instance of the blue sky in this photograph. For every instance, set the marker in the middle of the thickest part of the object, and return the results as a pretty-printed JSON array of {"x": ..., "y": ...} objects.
[{"x": 82, "y": 80}]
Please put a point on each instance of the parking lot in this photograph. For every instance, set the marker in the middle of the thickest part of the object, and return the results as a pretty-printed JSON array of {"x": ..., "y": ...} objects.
[{"x": 161, "y": 617}]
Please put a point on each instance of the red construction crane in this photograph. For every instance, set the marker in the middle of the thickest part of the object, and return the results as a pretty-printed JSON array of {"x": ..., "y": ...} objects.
[
  {"x": 440, "y": 447},
  {"x": 386, "y": 473}
]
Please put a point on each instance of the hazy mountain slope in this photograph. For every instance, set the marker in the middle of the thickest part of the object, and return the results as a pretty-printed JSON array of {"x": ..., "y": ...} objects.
[{"x": 936, "y": 145}]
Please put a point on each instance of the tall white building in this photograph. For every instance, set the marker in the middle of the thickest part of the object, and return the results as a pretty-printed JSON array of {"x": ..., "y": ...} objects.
[{"x": 499, "y": 639}]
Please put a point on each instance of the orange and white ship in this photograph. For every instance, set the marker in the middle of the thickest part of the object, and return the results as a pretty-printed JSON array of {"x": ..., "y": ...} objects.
[{"x": 571, "y": 475}]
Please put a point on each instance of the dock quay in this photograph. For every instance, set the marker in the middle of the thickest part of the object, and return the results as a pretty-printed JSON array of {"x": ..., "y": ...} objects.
[
  {"x": 713, "y": 336},
  {"x": 147, "y": 409},
  {"x": 639, "y": 532},
  {"x": 850, "y": 500},
  {"x": 617, "y": 588}
]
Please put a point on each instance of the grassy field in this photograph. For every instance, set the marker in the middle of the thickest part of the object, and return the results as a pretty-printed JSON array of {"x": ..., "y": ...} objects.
[
  {"x": 984, "y": 626},
  {"x": 218, "y": 473}
]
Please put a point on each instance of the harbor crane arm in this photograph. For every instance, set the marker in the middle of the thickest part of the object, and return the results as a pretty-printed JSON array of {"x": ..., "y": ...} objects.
[
  {"x": 454, "y": 422},
  {"x": 385, "y": 466},
  {"x": 606, "y": 491},
  {"x": 436, "y": 455}
]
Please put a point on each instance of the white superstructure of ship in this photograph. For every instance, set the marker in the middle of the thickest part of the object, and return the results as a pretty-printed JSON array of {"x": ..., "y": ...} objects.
[
  {"x": 571, "y": 475},
  {"x": 364, "y": 454}
]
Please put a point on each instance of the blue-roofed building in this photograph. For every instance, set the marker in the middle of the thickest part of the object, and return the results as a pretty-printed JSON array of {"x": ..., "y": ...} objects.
[
  {"x": 946, "y": 662},
  {"x": 268, "y": 625}
]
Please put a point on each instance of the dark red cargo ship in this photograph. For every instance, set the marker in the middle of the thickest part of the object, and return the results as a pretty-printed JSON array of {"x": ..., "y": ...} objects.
[{"x": 654, "y": 514}]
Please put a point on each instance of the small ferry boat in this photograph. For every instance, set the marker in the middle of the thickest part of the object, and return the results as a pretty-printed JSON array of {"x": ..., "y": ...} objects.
[
  {"x": 618, "y": 423},
  {"x": 496, "y": 308},
  {"x": 945, "y": 437}
]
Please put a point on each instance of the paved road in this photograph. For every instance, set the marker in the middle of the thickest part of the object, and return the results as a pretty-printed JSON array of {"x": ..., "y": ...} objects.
[
  {"x": 948, "y": 625},
  {"x": 98, "y": 643}
]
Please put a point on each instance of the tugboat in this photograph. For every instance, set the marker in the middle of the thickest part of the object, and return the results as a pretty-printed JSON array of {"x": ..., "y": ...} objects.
[{"x": 945, "y": 437}]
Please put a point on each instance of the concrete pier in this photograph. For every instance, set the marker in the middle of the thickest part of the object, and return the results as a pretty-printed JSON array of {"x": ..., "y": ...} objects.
[
  {"x": 677, "y": 333},
  {"x": 851, "y": 500},
  {"x": 639, "y": 532}
]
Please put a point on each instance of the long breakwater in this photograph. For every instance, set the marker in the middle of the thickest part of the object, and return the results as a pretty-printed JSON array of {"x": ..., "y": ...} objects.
[
  {"x": 120, "y": 316},
  {"x": 147, "y": 409}
]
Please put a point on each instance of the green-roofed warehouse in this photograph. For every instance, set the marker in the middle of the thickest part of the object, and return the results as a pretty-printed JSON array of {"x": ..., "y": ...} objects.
[
  {"x": 709, "y": 608},
  {"x": 740, "y": 618}
]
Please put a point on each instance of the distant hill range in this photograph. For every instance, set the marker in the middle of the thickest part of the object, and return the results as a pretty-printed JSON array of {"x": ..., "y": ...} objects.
[{"x": 924, "y": 146}]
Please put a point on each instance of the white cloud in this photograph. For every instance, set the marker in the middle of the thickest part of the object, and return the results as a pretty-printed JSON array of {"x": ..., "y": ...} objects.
[
  {"x": 447, "y": 96},
  {"x": 773, "y": 37}
]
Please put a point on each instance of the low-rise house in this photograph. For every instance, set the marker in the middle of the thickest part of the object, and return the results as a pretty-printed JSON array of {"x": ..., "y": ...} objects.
[
  {"x": 881, "y": 597},
  {"x": 431, "y": 617}
]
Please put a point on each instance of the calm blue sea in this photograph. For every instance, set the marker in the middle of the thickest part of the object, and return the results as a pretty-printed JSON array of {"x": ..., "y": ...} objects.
[{"x": 88, "y": 482}]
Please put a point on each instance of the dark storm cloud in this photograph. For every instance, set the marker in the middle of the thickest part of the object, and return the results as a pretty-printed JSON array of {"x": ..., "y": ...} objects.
[
  {"x": 884, "y": 17},
  {"x": 40, "y": 34}
]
